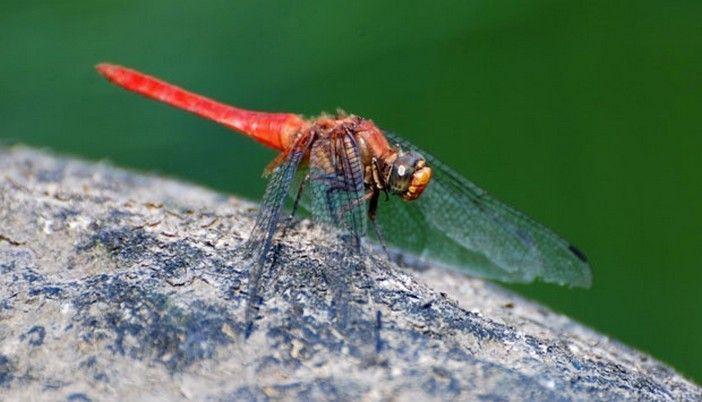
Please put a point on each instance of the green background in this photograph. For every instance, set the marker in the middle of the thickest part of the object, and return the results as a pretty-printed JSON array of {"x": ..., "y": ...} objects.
[{"x": 584, "y": 114}]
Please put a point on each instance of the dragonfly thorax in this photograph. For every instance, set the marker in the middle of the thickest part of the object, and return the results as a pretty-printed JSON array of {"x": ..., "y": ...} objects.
[{"x": 385, "y": 168}]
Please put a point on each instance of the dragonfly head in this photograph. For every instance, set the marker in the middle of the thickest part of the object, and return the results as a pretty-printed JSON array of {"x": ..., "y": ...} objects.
[{"x": 409, "y": 175}]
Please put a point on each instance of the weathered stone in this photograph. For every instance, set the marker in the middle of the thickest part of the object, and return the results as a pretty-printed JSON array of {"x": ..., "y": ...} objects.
[{"x": 120, "y": 286}]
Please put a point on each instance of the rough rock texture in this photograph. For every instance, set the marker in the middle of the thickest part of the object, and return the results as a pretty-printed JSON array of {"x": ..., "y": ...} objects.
[{"x": 118, "y": 286}]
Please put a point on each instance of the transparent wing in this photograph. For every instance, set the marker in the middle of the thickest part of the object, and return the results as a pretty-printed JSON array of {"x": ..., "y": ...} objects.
[
  {"x": 336, "y": 188},
  {"x": 456, "y": 223},
  {"x": 267, "y": 222},
  {"x": 273, "y": 201}
]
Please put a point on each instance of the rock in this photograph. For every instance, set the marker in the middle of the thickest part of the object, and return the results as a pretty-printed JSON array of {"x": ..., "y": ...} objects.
[{"x": 120, "y": 286}]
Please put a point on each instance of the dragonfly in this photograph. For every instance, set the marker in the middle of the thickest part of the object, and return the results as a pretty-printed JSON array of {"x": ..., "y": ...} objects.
[{"x": 357, "y": 176}]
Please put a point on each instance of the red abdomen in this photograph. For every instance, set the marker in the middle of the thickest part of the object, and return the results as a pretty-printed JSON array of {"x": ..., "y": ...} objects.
[{"x": 275, "y": 130}]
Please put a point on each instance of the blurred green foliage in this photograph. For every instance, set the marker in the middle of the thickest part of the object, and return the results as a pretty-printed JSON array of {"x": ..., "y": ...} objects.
[{"x": 584, "y": 114}]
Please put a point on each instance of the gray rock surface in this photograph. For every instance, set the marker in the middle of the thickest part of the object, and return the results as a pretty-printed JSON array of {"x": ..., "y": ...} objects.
[{"x": 120, "y": 286}]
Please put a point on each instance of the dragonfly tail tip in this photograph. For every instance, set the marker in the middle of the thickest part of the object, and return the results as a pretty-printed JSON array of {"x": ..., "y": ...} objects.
[{"x": 107, "y": 70}]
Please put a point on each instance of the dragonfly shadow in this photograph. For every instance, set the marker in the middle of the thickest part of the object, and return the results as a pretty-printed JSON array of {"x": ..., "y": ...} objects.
[
  {"x": 343, "y": 271},
  {"x": 332, "y": 278}
]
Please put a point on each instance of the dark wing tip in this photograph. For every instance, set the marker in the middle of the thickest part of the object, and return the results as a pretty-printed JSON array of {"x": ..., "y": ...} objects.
[{"x": 576, "y": 251}]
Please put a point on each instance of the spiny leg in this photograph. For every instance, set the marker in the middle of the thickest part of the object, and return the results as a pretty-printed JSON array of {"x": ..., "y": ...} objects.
[
  {"x": 372, "y": 214},
  {"x": 296, "y": 203},
  {"x": 300, "y": 189}
]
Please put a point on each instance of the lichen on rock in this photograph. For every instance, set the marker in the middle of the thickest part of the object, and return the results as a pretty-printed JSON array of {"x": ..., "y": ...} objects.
[{"x": 121, "y": 286}]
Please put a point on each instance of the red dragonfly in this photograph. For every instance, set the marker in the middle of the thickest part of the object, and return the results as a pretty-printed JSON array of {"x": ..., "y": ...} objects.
[{"x": 437, "y": 216}]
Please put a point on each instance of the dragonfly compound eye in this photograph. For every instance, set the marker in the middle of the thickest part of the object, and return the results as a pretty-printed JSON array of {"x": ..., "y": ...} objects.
[{"x": 409, "y": 175}]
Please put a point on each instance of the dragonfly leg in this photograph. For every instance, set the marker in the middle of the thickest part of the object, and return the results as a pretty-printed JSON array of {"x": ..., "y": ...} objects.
[
  {"x": 354, "y": 203},
  {"x": 336, "y": 183},
  {"x": 300, "y": 189},
  {"x": 372, "y": 214}
]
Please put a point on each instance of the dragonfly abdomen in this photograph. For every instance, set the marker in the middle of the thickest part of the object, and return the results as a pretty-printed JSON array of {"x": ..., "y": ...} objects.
[{"x": 275, "y": 130}]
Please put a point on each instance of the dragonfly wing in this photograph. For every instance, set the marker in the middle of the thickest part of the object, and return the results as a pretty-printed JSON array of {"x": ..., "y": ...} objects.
[
  {"x": 457, "y": 223},
  {"x": 267, "y": 222},
  {"x": 336, "y": 187},
  {"x": 273, "y": 201}
]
